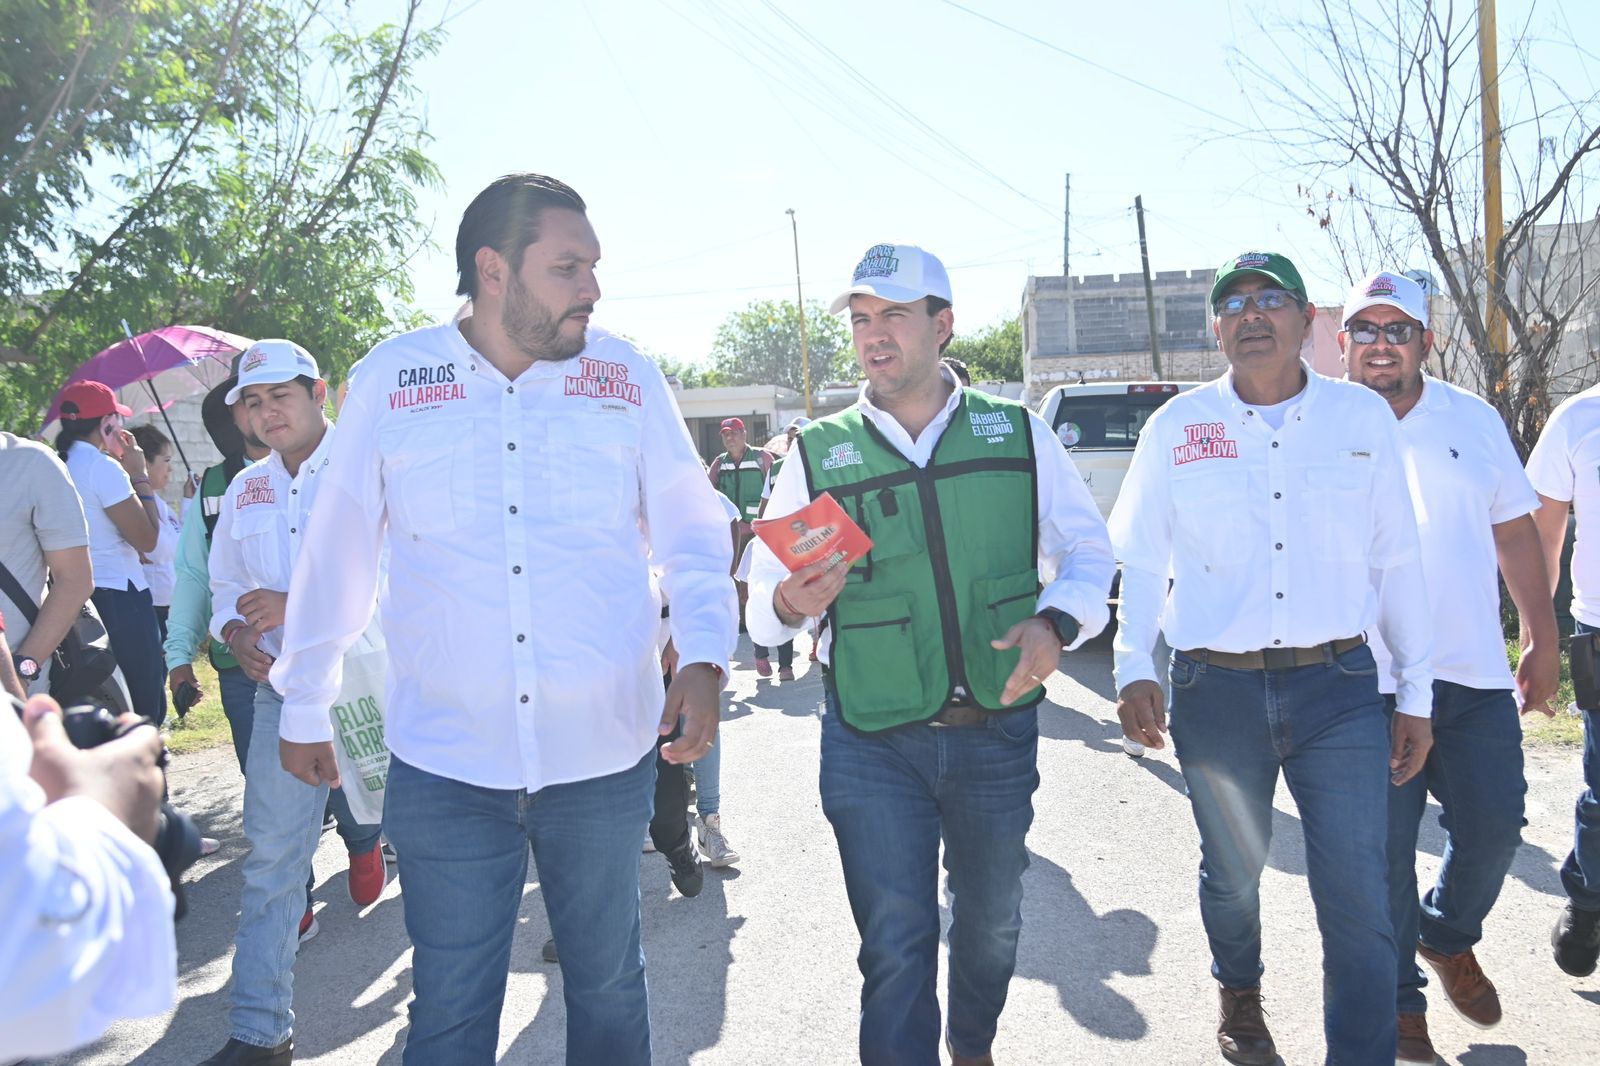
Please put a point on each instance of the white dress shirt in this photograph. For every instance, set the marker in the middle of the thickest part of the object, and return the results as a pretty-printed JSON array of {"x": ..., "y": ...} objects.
[
  {"x": 87, "y": 937},
  {"x": 1565, "y": 465},
  {"x": 260, "y": 530},
  {"x": 160, "y": 564},
  {"x": 523, "y": 517},
  {"x": 102, "y": 483},
  {"x": 1285, "y": 538},
  {"x": 1465, "y": 479},
  {"x": 1075, "y": 560}
]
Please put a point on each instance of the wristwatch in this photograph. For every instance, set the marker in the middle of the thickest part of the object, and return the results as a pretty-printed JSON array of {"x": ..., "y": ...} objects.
[
  {"x": 1064, "y": 624},
  {"x": 27, "y": 669}
]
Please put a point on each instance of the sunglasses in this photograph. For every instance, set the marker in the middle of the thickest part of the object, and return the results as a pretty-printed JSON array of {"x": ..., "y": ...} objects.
[
  {"x": 1367, "y": 333},
  {"x": 1265, "y": 300}
]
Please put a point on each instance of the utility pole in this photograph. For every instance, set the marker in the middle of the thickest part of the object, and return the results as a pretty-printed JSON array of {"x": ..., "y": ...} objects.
[
  {"x": 800, "y": 298},
  {"x": 1066, "y": 232},
  {"x": 1493, "y": 220},
  {"x": 1149, "y": 291}
]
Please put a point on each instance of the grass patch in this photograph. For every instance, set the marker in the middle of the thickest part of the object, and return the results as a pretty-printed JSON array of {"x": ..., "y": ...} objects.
[
  {"x": 1564, "y": 730},
  {"x": 205, "y": 726}
]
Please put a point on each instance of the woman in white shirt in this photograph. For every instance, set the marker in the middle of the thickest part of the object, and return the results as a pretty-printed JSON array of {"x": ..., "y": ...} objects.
[
  {"x": 160, "y": 565},
  {"x": 109, "y": 470}
]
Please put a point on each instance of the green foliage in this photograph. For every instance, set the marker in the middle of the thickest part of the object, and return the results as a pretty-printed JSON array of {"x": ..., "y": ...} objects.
[
  {"x": 689, "y": 375},
  {"x": 215, "y": 162},
  {"x": 760, "y": 345},
  {"x": 994, "y": 353}
]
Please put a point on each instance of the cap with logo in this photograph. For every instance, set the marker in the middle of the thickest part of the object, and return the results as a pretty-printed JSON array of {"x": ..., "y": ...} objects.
[
  {"x": 798, "y": 422},
  {"x": 270, "y": 362},
  {"x": 1270, "y": 265},
  {"x": 733, "y": 423},
  {"x": 1391, "y": 290},
  {"x": 90, "y": 399},
  {"x": 900, "y": 273}
]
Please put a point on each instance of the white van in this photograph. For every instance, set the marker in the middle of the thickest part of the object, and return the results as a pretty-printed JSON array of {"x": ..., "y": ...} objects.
[{"x": 1100, "y": 423}]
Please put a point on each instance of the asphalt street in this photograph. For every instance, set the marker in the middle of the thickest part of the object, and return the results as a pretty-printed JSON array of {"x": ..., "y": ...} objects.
[{"x": 760, "y": 968}]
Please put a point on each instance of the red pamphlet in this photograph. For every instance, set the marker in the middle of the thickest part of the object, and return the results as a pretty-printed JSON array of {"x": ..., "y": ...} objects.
[{"x": 821, "y": 530}]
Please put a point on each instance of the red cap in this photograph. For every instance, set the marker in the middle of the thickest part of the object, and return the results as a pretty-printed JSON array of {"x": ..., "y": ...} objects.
[
  {"x": 90, "y": 400},
  {"x": 733, "y": 423}
]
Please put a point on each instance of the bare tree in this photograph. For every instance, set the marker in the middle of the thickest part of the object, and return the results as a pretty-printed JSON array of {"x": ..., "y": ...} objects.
[{"x": 1377, "y": 110}]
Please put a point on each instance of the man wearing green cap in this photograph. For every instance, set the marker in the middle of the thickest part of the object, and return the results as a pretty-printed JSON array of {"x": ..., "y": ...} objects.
[{"x": 1275, "y": 502}]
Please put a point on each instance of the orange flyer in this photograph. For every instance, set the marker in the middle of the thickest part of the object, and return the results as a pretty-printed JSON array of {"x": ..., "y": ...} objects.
[{"x": 821, "y": 530}]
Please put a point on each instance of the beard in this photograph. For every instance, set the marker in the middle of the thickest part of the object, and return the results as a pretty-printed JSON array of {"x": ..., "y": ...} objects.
[{"x": 535, "y": 329}]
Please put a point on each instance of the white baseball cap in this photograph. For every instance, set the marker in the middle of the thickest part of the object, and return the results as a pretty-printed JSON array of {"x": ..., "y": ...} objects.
[
  {"x": 1390, "y": 289},
  {"x": 268, "y": 363},
  {"x": 798, "y": 422},
  {"x": 902, "y": 273}
]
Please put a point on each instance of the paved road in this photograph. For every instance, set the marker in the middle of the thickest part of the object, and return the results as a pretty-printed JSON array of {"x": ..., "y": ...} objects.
[{"x": 760, "y": 968}]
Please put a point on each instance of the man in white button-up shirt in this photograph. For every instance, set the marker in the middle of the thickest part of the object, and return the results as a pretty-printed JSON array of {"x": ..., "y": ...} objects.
[
  {"x": 1474, "y": 509},
  {"x": 527, "y": 469},
  {"x": 260, "y": 531},
  {"x": 1275, "y": 503}
]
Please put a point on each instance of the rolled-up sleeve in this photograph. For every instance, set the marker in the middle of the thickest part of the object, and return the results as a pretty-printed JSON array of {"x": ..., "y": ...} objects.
[{"x": 189, "y": 616}]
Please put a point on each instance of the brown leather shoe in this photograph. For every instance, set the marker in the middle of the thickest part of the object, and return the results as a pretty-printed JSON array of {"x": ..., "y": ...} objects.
[
  {"x": 1242, "y": 1033},
  {"x": 985, "y": 1059},
  {"x": 1465, "y": 986},
  {"x": 1413, "y": 1048}
]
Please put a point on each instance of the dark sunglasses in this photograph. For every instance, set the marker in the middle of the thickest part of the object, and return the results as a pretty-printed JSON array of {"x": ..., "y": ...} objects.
[
  {"x": 1367, "y": 333},
  {"x": 1266, "y": 300}
]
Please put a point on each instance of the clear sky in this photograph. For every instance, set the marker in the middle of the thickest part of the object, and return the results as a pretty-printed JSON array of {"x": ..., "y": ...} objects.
[{"x": 689, "y": 126}]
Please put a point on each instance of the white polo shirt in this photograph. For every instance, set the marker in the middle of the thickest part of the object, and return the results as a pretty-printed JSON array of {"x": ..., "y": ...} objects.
[
  {"x": 1465, "y": 479},
  {"x": 1565, "y": 465},
  {"x": 522, "y": 518},
  {"x": 101, "y": 482},
  {"x": 1273, "y": 538}
]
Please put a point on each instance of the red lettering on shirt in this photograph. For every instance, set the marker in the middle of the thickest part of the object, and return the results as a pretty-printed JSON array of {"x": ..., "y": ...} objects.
[
  {"x": 600, "y": 379},
  {"x": 426, "y": 396},
  {"x": 255, "y": 490},
  {"x": 1205, "y": 440}
]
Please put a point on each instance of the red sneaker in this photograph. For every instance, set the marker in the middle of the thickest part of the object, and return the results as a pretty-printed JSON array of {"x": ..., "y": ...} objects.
[
  {"x": 368, "y": 875},
  {"x": 764, "y": 667},
  {"x": 308, "y": 926}
]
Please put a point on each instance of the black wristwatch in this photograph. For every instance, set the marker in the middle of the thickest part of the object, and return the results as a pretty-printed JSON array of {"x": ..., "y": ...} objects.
[
  {"x": 1064, "y": 624},
  {"x": 27, "y": 669}
]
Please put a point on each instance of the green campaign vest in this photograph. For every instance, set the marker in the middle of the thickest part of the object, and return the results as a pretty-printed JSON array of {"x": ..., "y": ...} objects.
[
  {"x": 741, "y": 482},
  {"x": 213, "y": 487},
  {"x": 954, "y": 562}
]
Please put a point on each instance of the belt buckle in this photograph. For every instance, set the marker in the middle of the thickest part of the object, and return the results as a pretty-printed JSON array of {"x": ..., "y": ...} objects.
[{"x": 1278, "y": 658}]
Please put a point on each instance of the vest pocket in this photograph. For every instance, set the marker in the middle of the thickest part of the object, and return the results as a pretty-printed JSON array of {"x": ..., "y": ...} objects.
[
  {"x": 875, "y": 663},
  {"x": 1003, "y": 601}
]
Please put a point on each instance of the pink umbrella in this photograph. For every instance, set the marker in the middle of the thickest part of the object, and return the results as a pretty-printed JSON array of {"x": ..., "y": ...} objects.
[{"x": 170, "y": 363}]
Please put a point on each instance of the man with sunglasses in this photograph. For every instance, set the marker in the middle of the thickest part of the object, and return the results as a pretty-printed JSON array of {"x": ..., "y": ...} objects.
[
  {"x": 1474, "y": 509},
  {"x": 1274, "y": 501}
]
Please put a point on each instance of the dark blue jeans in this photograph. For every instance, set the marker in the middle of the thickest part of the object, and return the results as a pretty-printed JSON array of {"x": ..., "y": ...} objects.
[
  {"x": 463, "y": 856},
  {"x": 238, "y": 694},
  {"x": 1580, "y": 874},
  {"x": 129, "y": 616},
  {"x": 891, "y": 798},
  {"x": 1475, "y": 772},
  {"x": 1323, "y": 728}
]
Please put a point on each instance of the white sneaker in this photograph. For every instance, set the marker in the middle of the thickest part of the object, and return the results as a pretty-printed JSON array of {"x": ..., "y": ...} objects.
[
  {"x": 713, "y": 845},
  {"x": 1132, "y": 748},
  {"x": 649, "y": 845}
]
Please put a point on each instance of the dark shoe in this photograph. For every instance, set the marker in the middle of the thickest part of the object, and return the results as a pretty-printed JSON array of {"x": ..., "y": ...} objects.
[
  {"x": 1413, "y": 1048},
  {"x": 687, "y": 873},
  {"x": 785, "y": 673},
  {"x": 548, "y": 952},
  {"x": 956, "y": 1059},
  {"x": 238, "y": 1053},
  {"x": 1242, "y": 1033},
  {"x": 1576, "y": 939},
  {"x": 1470, "y": 992}
]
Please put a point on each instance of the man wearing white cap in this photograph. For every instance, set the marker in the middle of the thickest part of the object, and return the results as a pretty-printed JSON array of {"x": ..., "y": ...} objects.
[
  {"x": 260, "y": 531},
  {"x": 1474, "y": 508},
  {"x": 938, "y": 644}
]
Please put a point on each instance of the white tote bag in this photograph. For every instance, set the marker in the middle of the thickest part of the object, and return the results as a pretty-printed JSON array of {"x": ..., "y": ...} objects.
[{"x": 357, "y": 716}]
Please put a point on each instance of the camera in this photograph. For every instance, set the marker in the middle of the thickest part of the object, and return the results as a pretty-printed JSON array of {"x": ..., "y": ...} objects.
[{"x": 177, "y": 842}]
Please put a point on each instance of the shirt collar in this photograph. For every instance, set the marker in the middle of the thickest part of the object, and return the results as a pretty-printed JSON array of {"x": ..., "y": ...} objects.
[
  {"x": 1435, "y": 397},
  {"x": 314, "y": 462},
  {"x": 1237, "y": 407},
  {"x": 945, "y": 374}
]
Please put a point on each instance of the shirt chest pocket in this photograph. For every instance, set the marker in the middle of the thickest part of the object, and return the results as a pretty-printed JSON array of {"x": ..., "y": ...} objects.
[
  {"x": 259, "y": 533},
  {"x": 428, "y": 475},
  {"x": 1211, "y": 517},
  {"x": 593, "y": 478},
  {"x": 1338, "y": 510}
]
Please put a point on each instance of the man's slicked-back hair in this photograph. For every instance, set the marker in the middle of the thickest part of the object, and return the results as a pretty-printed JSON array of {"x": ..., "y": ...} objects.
[{"x": 505, "y": 217}]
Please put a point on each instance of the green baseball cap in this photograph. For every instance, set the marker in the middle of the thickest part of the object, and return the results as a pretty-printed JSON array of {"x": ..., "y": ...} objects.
[{"x": 1269, "y": 265}]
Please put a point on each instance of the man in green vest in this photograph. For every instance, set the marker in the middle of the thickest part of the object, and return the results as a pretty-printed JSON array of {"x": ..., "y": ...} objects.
[
  {"x": 988, "y": 558},
  {"x": 739, "y": 474}
]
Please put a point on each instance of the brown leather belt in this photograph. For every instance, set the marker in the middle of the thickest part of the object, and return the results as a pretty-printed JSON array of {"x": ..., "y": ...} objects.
[{"x": 1276, "y": 658}]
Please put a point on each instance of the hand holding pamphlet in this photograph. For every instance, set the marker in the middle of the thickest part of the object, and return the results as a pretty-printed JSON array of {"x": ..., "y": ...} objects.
[{"x": 819, "y": 532}]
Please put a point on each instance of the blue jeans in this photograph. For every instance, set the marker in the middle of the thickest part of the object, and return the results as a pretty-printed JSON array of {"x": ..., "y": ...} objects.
[
  {"x": 891, "y": 797},
  {"x": 282, "y": 820},
  {"x": 239, "y": 706},
  {"x": 708, "y": 780},
  {"x": 1475, "y": 772},
  {"x": 1324, "y": 728},
  {"x": 1580, "y": 874},
  {"x": 129, "y": 616},
  {"x": 463, "y": 855}
]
